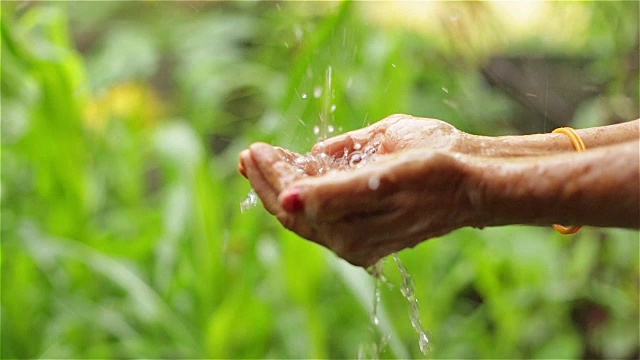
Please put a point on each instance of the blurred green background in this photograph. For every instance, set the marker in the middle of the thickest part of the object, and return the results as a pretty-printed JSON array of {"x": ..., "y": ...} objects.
[{"x": 121, "y": 228}]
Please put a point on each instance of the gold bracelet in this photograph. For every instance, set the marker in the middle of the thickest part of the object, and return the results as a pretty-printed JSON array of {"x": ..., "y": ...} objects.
[{"x": 578, "y": 144}]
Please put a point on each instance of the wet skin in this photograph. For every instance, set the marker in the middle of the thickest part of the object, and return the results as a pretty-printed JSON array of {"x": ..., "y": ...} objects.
[{"x": 428, "y": 180}]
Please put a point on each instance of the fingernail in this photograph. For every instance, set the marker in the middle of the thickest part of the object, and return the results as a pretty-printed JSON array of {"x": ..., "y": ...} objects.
[{"x": 292, "y": 201}]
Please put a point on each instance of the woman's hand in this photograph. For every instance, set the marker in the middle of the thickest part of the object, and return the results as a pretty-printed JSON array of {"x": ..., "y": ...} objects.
[{"x": 367, "y": 212}]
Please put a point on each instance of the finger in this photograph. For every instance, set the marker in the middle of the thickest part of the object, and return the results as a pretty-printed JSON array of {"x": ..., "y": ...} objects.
[
  {"x": 241, "y": 167},
  {"x": 339, "y": 194},
  {"x": 267, "y": 194},
  {"x": 288, "y": 155},
  {"x": 277, "y": 171}
]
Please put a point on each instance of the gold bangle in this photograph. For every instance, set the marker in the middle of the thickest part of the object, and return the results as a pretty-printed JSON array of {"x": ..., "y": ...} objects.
[{"x": 578, "y": 144}]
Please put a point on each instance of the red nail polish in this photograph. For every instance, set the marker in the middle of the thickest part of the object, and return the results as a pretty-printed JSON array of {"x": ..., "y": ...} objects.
[{"x": 292, "y": 202}]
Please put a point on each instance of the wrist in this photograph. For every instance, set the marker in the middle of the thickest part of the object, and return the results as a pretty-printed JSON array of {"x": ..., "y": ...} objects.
[
  {"x": 597, "y": 187},
  {"x": 508, "y": 191},
  {"x": 548, "y": 143},
  {"x": 518, "y": 145}
]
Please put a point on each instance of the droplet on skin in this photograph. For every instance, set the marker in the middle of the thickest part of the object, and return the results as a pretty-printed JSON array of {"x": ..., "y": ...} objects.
[
  {"x": 355, "y": 158},
  {"x": 369, "y": 150},
  {"x": 374, "y": 183},
  {"x": 357, "y": 146},
  {"x": 301, "y": 162}
]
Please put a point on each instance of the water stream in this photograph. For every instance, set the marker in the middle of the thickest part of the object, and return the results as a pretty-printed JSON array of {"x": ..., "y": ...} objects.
[
  {"x": 407, "y": 289},
  {"x": 375, "y": 348},
  {"x": 409, "y": 292}
]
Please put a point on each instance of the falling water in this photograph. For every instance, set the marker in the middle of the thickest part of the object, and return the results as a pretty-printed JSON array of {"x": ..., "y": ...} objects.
[
  {"x": 409, "y": 292},
  {"x": 250, "y": 201},
  {"x": 326, "y": 107},
  {"x": 407, "y": 289},
  {"x": 373, "y": 350}
]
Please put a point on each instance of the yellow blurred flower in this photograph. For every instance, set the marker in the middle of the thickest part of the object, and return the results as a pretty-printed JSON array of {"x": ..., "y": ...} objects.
[{"x": 131, "y": 102}]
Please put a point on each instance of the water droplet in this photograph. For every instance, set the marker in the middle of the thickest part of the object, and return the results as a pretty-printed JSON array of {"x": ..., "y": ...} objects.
[
  {"x": 369, "y": 150},
  {"x": 357, "y": 146},
  {"x": 333, "y": 107},
  {"x": 316, "y": 130},
  {"x": 394, "y": 65},
  {"x": 317, "y": 92},
  {"x": 330, "y": 129},
  {"x": 304, "y": 95},
  {"x": 374, "y": 183},
  {"x": 424, "y": 343},
  {"x": 445, "y": 89},
  {"x": 355, "y": 158}
]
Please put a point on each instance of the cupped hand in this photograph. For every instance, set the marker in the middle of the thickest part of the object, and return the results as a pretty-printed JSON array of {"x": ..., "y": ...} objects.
[
  {"x": 364, "y": 213},
  {"x": 393, "y": 134}
]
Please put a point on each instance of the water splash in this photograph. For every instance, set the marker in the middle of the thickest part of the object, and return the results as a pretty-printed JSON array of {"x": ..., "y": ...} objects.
[
  {"x": 249, "y": 202},
  {"x": 321, "y": 163}
]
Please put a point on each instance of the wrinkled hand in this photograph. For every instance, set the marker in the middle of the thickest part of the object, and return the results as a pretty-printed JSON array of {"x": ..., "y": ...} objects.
[{"x": 408, "y": 194}]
